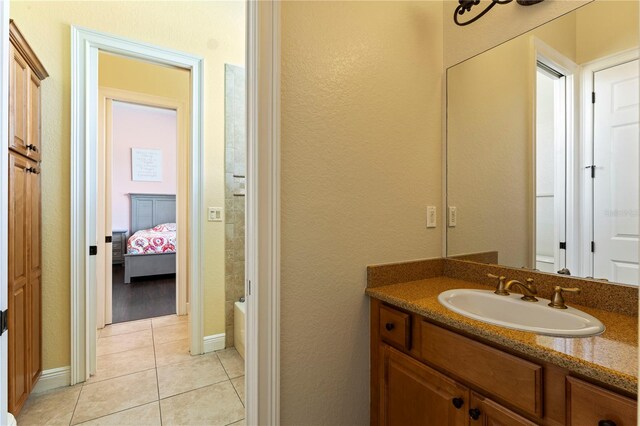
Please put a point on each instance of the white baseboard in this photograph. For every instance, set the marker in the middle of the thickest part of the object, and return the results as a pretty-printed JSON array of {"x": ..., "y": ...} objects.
[
  {"x": 52, "y": 379},
  {"x": 215, "y": 342}
]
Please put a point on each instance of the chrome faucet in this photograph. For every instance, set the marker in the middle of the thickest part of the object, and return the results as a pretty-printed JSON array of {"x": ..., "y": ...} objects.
[{"x": 528, "y": 290}]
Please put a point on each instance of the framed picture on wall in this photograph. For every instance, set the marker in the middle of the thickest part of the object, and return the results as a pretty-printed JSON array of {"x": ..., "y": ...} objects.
[{"x": 146, "y": 165}]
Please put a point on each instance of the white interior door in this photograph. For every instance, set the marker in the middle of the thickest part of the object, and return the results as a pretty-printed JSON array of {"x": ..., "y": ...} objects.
[{"x": 615, "y": 187}]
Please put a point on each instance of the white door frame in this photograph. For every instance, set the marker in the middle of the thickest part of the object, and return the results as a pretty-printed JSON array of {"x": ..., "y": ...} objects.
[
  {"x": 586, "y": 154},
  {"x": 4, "y": 201},
  {"x": 551, "y": 57},
  {"x": 86, "y": 44},
  {"x": 263, "y": 213}
]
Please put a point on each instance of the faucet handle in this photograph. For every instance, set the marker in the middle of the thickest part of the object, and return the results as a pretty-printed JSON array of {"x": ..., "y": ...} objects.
[
  {"x": 557, "y": 300},
  {"x": 500, "y": 287}
]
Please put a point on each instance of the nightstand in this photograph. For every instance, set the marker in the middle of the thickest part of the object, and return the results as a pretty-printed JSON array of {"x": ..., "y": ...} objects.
[{"x": 118, "y": 246}]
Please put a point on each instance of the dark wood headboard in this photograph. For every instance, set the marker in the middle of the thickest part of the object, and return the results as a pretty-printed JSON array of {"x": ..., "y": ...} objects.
[{"x": 149, "y": 210}]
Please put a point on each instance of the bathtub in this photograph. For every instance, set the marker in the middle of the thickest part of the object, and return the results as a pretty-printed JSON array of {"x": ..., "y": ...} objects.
[{"x": 239, "y": 311}]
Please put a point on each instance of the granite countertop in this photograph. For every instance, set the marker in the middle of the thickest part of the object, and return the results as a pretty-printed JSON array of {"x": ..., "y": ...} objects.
[{"x": 610, "y": 358}]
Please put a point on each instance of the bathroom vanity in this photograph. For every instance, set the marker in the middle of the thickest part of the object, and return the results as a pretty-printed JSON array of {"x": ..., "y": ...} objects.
[{"x": 430, "y": 365}]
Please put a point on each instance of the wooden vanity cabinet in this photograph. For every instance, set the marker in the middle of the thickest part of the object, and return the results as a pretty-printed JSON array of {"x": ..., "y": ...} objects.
[
  {"x": 424, "y": 374},
  {"x": 24, "y": 236},
  {"x": 414, "y": 394}
]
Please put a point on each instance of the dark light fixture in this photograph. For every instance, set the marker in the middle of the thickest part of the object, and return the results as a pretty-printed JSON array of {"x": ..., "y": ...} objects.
[{"x": 466, "y": 6}]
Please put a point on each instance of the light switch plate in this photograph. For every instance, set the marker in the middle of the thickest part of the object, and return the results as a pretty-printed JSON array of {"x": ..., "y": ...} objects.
[
  {"x": 431, "y": 217},
  {"x": 453, "y": 216},
  {"x": 214, "y": 214}
]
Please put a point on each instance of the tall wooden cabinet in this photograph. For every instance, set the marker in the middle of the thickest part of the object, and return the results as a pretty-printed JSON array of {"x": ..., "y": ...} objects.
[{"x": 25, "y": 260}]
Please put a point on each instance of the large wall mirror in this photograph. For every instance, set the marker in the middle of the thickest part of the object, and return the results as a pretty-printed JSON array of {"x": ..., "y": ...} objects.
[{"x": 542, "y": 173}]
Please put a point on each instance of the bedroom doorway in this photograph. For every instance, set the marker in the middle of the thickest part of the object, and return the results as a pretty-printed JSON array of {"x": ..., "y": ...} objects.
[{"x": 143, "y": 138}]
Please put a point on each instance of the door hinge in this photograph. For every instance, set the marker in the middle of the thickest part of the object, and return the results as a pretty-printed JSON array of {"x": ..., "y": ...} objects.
[
  {"x": 93, "y": 250},
  {"x": 563, "y": 245},
  {"x": 4, "y": 321},
  {"x": 593, "y": 170},
  {"x": 593, "y": 97},
  {"x": 249, "y": 287},
  {"x": 593, "y": 246},
  {"x": 108, "y": 239}
]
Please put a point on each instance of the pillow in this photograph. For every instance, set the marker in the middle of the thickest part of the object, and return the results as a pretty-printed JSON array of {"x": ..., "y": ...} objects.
[{"x": 165, "y": 227}]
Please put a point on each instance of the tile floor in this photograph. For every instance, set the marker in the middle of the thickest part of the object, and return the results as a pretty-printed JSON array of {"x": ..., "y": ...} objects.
[{"x": 146, "y": 376}]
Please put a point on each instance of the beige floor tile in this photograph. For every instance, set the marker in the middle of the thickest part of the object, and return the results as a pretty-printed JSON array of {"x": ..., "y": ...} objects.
[
  {"x": 123, "y": 363},
  {"x": 242, "y": 422},
  {"x": 125, "y": 327},
  {"x": 145, "y": 415},
  {"x": 198, "y": 372},
  {"x": 232, "y": 362},
  {"x": 172, "y": 352},
  {"x": 124, "y": 342},
  {"x": 170, "y": 333},
  {"x": 214, "y": 405},
  {"x": 113, "y": 395},
  {"x": 169, "y": 320},
  {"x": 50, "y": 408},
  {"x": 238, "y": 384}
]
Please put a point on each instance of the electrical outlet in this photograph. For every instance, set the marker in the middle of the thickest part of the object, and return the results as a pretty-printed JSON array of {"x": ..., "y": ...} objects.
[
  {"x": 453, "y": 216},
  {"x": 214, "y": 214},
  {"x": 431, "y": 216}
]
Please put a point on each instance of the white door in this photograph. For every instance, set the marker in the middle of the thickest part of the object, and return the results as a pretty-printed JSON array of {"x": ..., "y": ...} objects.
[{"x": 615, "y": 186}]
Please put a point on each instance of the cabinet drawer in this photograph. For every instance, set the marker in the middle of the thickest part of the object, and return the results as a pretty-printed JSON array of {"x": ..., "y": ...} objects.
[
  {"x": 509, "y": 378},
  {"x": 588, "y": 404},
  {"x": 395, "y": 327}
]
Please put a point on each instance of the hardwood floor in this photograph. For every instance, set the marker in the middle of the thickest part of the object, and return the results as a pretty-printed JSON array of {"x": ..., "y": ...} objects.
[{"x": 145, "y": 297}]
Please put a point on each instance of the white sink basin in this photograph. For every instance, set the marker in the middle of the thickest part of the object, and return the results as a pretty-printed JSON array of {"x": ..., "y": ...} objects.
[{"x": 512, "y": 312}]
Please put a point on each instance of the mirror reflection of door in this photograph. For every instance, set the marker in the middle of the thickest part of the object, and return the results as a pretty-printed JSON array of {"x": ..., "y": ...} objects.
[
  {"x": 550, "y": 169},
  {"x": 615, "y": 184}
]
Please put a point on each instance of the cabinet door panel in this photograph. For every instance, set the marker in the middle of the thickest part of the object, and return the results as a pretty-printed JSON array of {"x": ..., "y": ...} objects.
[
  {"x": 19, "y": 383},
  {"x": 588, "y": 404},
  {"x": 35, "y": 330},
  {"x": 414, "y": 394},
  {"x": 18, "y": 102},
  {"x": 33, "y": 108},
  {"x": 493, "y": 414},
  {"x": 35, "y": 273}
]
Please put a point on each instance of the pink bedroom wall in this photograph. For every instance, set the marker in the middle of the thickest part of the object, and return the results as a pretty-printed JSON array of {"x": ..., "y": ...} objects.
[{"x": 137, "y": 126}]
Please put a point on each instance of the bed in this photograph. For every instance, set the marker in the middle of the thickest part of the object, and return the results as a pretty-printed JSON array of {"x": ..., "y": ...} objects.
[{"x": 158, "y": 255}]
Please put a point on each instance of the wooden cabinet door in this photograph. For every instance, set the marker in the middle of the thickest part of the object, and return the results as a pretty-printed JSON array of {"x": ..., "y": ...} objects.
[
  {"x": 18, "y": 102},
  {"x": 485, "y": 412},
  {"x": 414, "y": 394},
  {"x": 589, "y": 404},
  {"x": 34, "y": 141},
  {"x": 34, "y": 262},
  {"x": 19, "y": 317}
]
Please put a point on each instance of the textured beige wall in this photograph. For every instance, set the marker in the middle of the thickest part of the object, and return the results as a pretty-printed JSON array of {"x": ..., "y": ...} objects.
[
  {"x": 606, "y": 27},
  {"x": 361, "y": 160},
  {"x": 488, "y": 153},
  {"x": 213, "y": 30},
  {"x": 500, "y": 24}
]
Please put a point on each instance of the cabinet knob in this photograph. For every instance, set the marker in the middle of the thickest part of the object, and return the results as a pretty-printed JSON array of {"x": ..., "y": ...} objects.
[
  {"x": 606, "y": 423},
  {"x": 457, "y": 402},
  {"x": 389, "y": 326},
  {"x": 474, "y": 413},
  {"x": 32, "y": 147}
]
